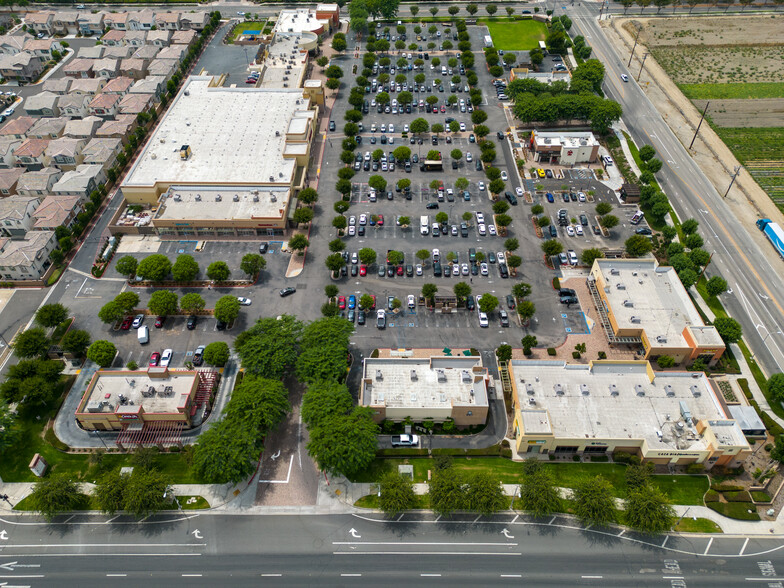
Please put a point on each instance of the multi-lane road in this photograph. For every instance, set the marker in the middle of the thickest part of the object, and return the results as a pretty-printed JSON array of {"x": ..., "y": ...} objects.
[{"x": 356, "y": 550}]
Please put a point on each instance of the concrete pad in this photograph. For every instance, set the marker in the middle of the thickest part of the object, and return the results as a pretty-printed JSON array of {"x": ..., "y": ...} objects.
[
  {"x": 5, "y": 297},
  {"x": 139, "y": 244}
]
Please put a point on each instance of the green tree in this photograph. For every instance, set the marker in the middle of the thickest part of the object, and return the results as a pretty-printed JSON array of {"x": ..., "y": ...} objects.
[
  {"x": 538, "y": 493},
  {"x": 269, "y": 348},
  {"x": 609, "y": 221},
  {"x": 110, "y": 312},
  {"x": 603, "y": 208},
  {"x": 638, "y": 245},
  {"x": 334, "y": 262},
  {"x": 324, "y": 343},
  {"x": 447, "y": 492},
  {"x": 154, "y": 268},
  {"x": 298, "y": 242},
  {"x": 102, "y": 352},
  {"x": 528, "y": 342},
  {"x": 500, "y": 207},
  {"x": 252, "y": 264},
  {"x": 526, "y": 309},
  {"x": 552, "y": 247},
  {"x": 429, "y": 291},
  {"x": 491, "y": 9},
  {"x": 593, "y": 502},
  {"x": 377, "y": 182},
  {"x": 110, "y": 491},
  {"x": 227, "y": 452},
  {"x": 589, "y": 255},
  {"x": 9, "y": 434},
  {"x": 344, "y": 444},
  {"x": 75, "y": 342},
  {"x": 302, "y": 216},
  {"x": 689, "y": 226},
  {"x": 647, "y": 152},
  {"x": 325, "y": 400},
  {"x": 191, "y": 302},
  {"x": 144, "y": 491},
  {"x": 776, "y": 387},
  {"x": 53, "y": 495},
  {"x": 688, "y": 277},
  {"x": 423, "y": 255},
  {"x": 462, "y": 290},
  {"x": 51, "y": 315},
  {"x": 31, "y": 343},
  {"x": 218, "y": 271},
  {"x": 185, "y": 268},
  {"x": 339, "y": 44},
  {"x": 472, "y": 9},
  {"x": 396, "y": 493},
  {"x": 333, "y": 71},
  {"x": 367, "y": 256},
  {"x": 648, "y": 510},
  {"x": 665, "y": 361},
  {"x": 126, "y": 265},
  {"x": 488, "y": 303},
  {"x": 521, "y": 290},
  {"x": 419, "y": 126},
  {"x": 504, "y": 352},
  {"x": 227, "y": 308},
  {"x": 485, "y": 494},
  {"x": 216, "y": 353},
  {"x": 163, "y": 302},
  {"x": 729, "y": 329}
]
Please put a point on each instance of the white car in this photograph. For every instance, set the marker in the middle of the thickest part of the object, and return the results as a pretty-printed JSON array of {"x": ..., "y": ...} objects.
[
  {"x": 624, "y": 77},
  {"x": 9, "y": 111},
  {"x": 456, "y": 270},
  {"x": 464, "y": 269},
  {"x": 483, "y": 322},
  {"x": 436, "y": 255},
  {"x": 491, "y": 230},
  {"x": 581, "y": 196},
  {"x": 391, "y": 140},
  {"x": 166, "y": 358},
  {"x": 462, "y": 126},
  {"x": 482, "y": 230},
  {"x": 480, "y": 218},
  {"x": 405, "y": 128},
  {"x": 570, "y": 231},
  {"x": 362, "y": 219},
  {"x": 579, "y": 230},
  {"x": 411, "y": 301},
  {"x": 481, "y": 186},
  {"x": 391, "y": 128},
  {"x": 469, "y": 157},
  {"x": 519, "y": 191},
  {"x": 352, "y": 231},
  {"x": 501, "y": 257},
  {"x": 483, "y": 269},
  {"x": 383, "y": 128},
  {"x": 352, "y": 220},
  {"x": 373, "y": 102},
  {"x": 419, "y": 269},
  {"x": 243, "y": 301},
  {"x": 572, "y": 257},
  {"x": 504, "y": 176}
]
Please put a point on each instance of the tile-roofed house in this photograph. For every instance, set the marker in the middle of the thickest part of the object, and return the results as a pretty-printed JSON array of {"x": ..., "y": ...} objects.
[
  {"x": 196, "y": 20},
  {"x": 79, "y": 68},
  {"x": 42, "y": 48},
  {"x": 172, "y": 52},
  {"x": 27, "y": 259},
  {"x": 120, "y": 127},
  {"x": 91, "y": 24},
  {"x": 133, "y": 68},
  {"x": 135, "y": 103},
  {"x": 42, "y": 104},
  {"x": 38, "y": 183},
  {"x": 22, "y": 67},
  {"x": 13, "y": 44},
  {"x": 83, "y": 128},
  {"x": 113, "y": 37},
  {"x": 120, "y": 85},
  {"x": 154, "y": 85},
  {"x": 57, "y": 85},
  {"x": 17, "y": 127},
  {"x": 168, "y": 21},
  {"x": 161, "y": 38},
  {"x": 119, "y": 52},
  {"x": 65, "y": 152},
  {"x": 106, "y": 68},
  {"x": 80, "y": 182},
  {"x": 40, "y": 22},
  {"x": 65, "y": 22},
  {"x": 8, "y": 179},
  {"x": 184, "y": 38},
  {"x": 135, "y": 38},
  {"x": 104, "y": 105},
  {"x": 47, "y": 128},
  {"x": 91, "y": 52},
  {"x": 8, "y": 147},
  {"x": 87, "y": 86},
  {"x": 102, "y": 151},
  {"x": 57, "y": 211},
  {"x": 31, "y": 153},
  {"x": 163, "y": 67},
  {"x": 74, "y": 105},
  {"x": 144, "y": 19},
  {"x": 148, "y": 52},
  {"x": 16, "y": 215},
  {"x": 116, "y": 20}
]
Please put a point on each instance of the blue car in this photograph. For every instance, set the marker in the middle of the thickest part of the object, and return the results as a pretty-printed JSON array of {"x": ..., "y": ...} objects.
[
  {"x": 550, "y": 197},
  {"x": 352, "y": 302}
]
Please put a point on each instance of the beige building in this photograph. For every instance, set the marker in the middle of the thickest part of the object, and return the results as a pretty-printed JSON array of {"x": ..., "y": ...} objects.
[
  {"x": 438, "y": 388},
  {"x": 641, "y": 302},
  {"x": 675, "y": 418},
  {"x": 563, "y": 148}
]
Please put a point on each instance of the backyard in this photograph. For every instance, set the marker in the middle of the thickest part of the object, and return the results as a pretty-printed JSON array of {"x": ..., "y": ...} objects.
[{"x": 521, "y": 35}]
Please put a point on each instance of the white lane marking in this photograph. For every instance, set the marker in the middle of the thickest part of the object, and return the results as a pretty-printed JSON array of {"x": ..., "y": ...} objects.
[
  {"x": 745, "y": 543},
  {"x": 707, "y": 548},
  {"x": 592, "y": 577},
  {"x": 191, "y": 575},
  {"x": 72, "y": 545},
  {"x": 417, "y": 543},
  {"x": 665, "y": 541},
  {"x": 116, "y": 575},
  {"x": 552, "y": 520},
  {"x": 511, "y": 575},
  {"x": 430, "y": 575},
  {"x": 271, "y": 575},
  {"x": 104, "y": 554},
  {"x": 417, "y": 554},
  {"x": 288, "y": 475},
  {"x": 350, "y": 575}
]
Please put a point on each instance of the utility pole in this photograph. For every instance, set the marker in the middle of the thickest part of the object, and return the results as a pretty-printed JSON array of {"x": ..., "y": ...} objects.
[
  {"x": 635, "y": 46},
  {"x": 642, "y": 65},
  {"x": 734, "y": 176},
  {"x": 702, "y": 118}
]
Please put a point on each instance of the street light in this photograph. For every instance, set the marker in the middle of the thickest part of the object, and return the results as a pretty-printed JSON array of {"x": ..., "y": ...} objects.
[{"x": 98, "y": 434}]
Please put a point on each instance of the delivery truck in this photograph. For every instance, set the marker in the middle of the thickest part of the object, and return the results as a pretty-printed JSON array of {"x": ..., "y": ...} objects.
[{"x": 773, "y": 232}]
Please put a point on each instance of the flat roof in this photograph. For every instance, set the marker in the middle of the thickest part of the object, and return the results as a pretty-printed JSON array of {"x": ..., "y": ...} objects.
[
  {"x": 231, "y": 133},
  {"x": 122, "y": 391},
  {"x": 285, "y": 59},
  {"x": 295, "y": 20},
  {"x": 616, "y": 400},
  {"x": 644, "y": 295},
  {"x": 235, "y": 203},
  {"x": 424, "y": 382}
]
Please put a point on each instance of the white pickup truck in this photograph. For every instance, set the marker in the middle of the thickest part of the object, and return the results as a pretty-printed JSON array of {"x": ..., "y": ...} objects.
[{"x": 404, "y": 440}]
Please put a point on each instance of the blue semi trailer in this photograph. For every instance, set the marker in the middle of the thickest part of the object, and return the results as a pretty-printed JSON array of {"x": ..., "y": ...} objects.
[{"x": 773, "y": 232}]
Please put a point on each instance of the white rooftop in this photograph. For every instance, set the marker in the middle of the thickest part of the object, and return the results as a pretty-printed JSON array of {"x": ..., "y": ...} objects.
[
  {"x": 297, "y": 20},
  {"x": 617, "y": 401},
  {"x": 436, "y": 382},
  {"x": 285, "y": 62},
  {"x": 236, "y": 135},
  {"x": 121, "y": 391},
  {"x": 566, "y": 138},
  {"x": 224, "y": 203}
]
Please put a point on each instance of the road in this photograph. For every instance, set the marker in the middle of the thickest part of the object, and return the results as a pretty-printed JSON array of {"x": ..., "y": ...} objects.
[
  {"x": 358, "y": 550},
  {"x": 754, "y": 276}
]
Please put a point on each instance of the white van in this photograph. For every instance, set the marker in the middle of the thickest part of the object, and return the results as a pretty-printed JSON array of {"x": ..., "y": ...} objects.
[
  {"x": 637, "y": 217},
  {"x": 143, "y": 334},
  {"x": 424, "y": 225},
  {"x": 443, "y": 70}
]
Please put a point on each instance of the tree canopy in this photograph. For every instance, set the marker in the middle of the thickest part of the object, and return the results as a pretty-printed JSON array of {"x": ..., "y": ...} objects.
[{"x": 269, "y": 348}]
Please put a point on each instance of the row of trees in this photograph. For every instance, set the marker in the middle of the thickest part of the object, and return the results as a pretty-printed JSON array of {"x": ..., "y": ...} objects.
[{"x": 158, "y": 267}]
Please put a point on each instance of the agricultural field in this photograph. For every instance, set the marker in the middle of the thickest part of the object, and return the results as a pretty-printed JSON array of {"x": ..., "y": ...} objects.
[
  {"x": 761, "y": 151},
  {"x": 745, "y": 113},
  {"x": 734, "y": 91},
  {"x": 692, "y": 64},
  {"x": 521, "y": 35}
]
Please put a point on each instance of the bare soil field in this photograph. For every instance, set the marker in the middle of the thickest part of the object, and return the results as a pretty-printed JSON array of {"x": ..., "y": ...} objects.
[
  {"x": 729, "y": 30},
  {"x": 692, "y": 64},
  {"x": 745, "y": 113}
]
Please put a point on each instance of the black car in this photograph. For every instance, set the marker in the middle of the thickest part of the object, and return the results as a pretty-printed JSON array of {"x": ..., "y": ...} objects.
[
  {"x": 463, "y": 229},
  {"x": 263, "y": 247},
  {"x": 198, "y": 355},
  {"x": 566, "y": 292},
  {"x": 410, "y": 271},
  {"x": 470, "y": 304},
  {"x": 390, "y": 270},
  {"x": 358, "y": 140},
  {"x": 568, "y": 300},
  {"x": 644, "y": 231},
  {"x": 220, "y": 326},
  {"x": 361, "y": 317},
  {"x": 503, "y": 271},
  {"x": 361, "y": 230},
  {"x": 553, "y": 231},
  {"x": 474, "y": 269},
  {"x": 437, "y": 269},
  {"x": 287, "y": 291},
  {"x": 432, "y": 205},
  {"x": 510, "y": 301},
  {"x": 332, "y": 125},
  {"x": 191, "y": 324},
  {"x": 511, "y": 198},
  {"x": 504, "y": 318},
  {"x": 478, "y": 166},
  {"x": 381, "y": 271},
  {"x": 354, "y": 271},
  {"x": 499, "y": 134}
]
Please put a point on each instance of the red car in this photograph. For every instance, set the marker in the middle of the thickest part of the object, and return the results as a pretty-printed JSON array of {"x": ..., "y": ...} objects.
[
  {"x": 380, "y": 221},
  {"x": 126, "y": 324},
  {"x": 373, "y": 306},
  {"x": 400, "y": 270},
  {"x": 154, "y": 359},
  {"x": 342, "y": 302},
  {"x": 363, "y": 270},
  {"x": 435, "y": 109},
  {"x": 443, "y": 108},
  {"x": 159, "y": 321}
]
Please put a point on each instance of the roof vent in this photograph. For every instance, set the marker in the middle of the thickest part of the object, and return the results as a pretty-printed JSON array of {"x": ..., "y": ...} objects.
[
  {"x": 628, "y": 304},
  {"x": 615, "y": 272},
  {"x": 532, "y": 401},
  {"x": 177, "y": 198},
  {"x": 277, "y": 133},
  {"x": 466, "y": 376},
  {"x": 613, "y": 390},
  {"x": 529, "y": 388},
  {"x": 255, "y": 198},
  {"x": 272, "y": 178},
  {"x": 413, "y": 376},
  {"x": 635, "y": 319},
  {"x": 379, "y": 376},
  {"x": 273, "y": 198},
  {"x": 559, "y": 391},
  {"x": 198, "y": 197},
  {"x": 639, "y": 389},
  {"x": 669, "y": 390},
  {"x": 620, "y": 286},
  {"x": 661, "y": 339},
  {"x": 218, "y": 198},
  {"x": 441, "y": 375},
  {"x": 695, "y": 390},
  {"x": 236, "y": 198},
  {"x": 584, "y": 389}
]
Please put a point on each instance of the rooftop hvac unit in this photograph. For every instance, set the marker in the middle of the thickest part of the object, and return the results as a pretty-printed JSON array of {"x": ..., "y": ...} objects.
[
  {"x": 413, "y": 376},
  {"x": 695, "y": 390},
  {"x": 273, "y": 198},
  {"x": 634, "y": 274},
  {"x": 379, "y": 375},
  {"x": 256, "y": 198},
  {"x": 635, "y": 319},
  {"x": 615, "y": 272},
  {"x": 659, "y": 434},
  {"x": 613, "y": 390},
  {"x": 628, "y": 304},
  {"x": 198, "y": 197},
  {"x": 277, "y": 133},
  {"x": 529, "y": 388},
  {"x": 236, "y": 198},
  {"x": 584, "y": 389},
  {"x": 466, "y": 376},
  {"x": 532, "y": 401},
  {"x": 218, "y": 198},
  {"x": 661, "y": 339},
  {"x": 285, "y": 85},
  {"x": 669, "y": 390},
  {"x": 413, "y": 397},
  {"x": 639, "y": 390},
  {"x": 559, "y": 391},
  {"x": 272, "y": 178},
  {"x": 177, "y": 198},
  {"x": 685, "y": 412},
  {"x": 441, "y": 375},
  {"x": 442, "y": 397},
  {"x": 620, "y": 286}
]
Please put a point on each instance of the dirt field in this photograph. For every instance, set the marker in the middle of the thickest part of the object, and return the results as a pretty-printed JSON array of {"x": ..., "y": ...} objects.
[
  {"x": 729, "y": 30},
  {"x": 692, "y": 64},
  {"x": 745, "y": 113}
]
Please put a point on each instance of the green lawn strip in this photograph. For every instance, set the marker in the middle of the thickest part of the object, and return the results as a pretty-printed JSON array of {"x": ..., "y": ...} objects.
[
  {"x": 85, "y": 502},
  {"x": 733, "y": 91},
  {"x": 422, "y": 502},
  {"x": 687, "y": 490},
  {"x": 522, "y": 35},
  {"x": 690, "y": 525},
  {"x": 735, "y": 510},
  {"x": 249, "y": 25},
  {"x": 60, "y": 330},
  {"x": 199, "y": 504},
  {"x": 760, "y": 496}
]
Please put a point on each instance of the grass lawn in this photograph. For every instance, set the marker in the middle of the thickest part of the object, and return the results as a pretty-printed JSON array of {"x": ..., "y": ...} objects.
[
  {"x": 84, "y": 502},
  {"x": 689, "y": 525},
  {"x": 735, "y": 510},
  {"x": 743, "y": 90},
  {"x": 199, "y": 504},
  {"x": 249, "y": 25},
  {"x": 682, "y": 489},
  {"x": 522, "y": 35}
]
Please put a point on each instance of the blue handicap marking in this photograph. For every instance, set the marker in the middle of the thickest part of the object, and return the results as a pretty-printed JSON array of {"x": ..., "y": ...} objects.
[
  {"x": 410, "y": 324},
  {"x": 181, "y": 251},
  {"x": 391, "y": 324},
  {"x": 568, "y": 330},
  {"x": 564, "y": 315}
]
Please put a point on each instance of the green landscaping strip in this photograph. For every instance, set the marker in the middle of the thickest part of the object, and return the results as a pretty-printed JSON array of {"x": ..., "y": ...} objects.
[
  {"x": 521, "y": 35},
  {"x": 689, "y": 525},
  {"x": 733, "y": 91},
  {"x": 736, "y": 510}
]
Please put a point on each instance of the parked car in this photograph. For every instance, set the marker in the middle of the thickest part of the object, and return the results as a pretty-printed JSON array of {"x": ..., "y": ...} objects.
[
  {"x": 198, "y": 355},
  {"x": 126, "y": 324},
  {"x": 159, "y": 321},
  {"x": 191, "y": 324},
  {"x": 243, "y": 301},
  {"x": 166, "y": 357},
  {"x": 155, "y": 359},
  {"x": 287, "y": 291}
]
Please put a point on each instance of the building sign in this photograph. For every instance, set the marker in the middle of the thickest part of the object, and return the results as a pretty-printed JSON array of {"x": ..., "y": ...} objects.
[
  {"x": 673, "y": 454},
  {"x": 128, "y": 416},
  {"x": 570, "y": 152},
  {"x": 602, "y": 443},
  {"x": 536, "y": 442}
]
